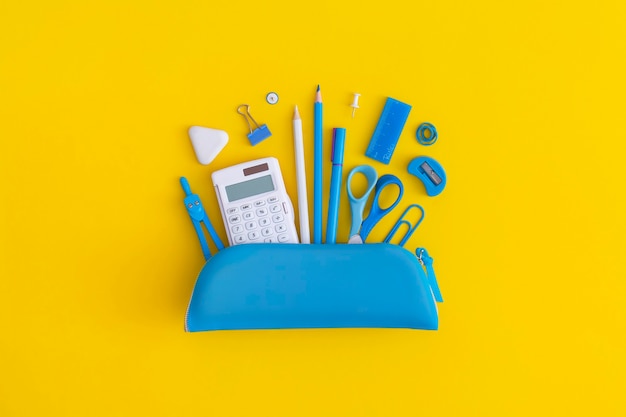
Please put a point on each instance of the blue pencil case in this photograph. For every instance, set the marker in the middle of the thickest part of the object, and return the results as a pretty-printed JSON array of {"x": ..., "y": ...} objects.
[{"x": 278, "y": 286}]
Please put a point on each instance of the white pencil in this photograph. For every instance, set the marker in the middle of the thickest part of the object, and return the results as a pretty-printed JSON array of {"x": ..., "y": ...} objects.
[{"x": 303, "y": 205}]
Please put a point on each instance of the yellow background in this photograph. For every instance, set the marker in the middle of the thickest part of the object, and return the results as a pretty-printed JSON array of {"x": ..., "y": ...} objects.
[{"x": 98, "y": 257}]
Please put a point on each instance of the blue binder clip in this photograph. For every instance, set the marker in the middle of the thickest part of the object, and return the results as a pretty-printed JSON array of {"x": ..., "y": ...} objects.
[
  {"x": 260, "y": 132},
  {"x": 198, "y": 215}
]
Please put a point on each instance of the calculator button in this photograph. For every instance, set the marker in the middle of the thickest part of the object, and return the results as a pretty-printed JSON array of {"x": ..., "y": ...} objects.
[
  {"x": 250, "y": 225},
  {"x": 272, "y": 199},
  {"x": 277, "y": 218},
  {"x": 237, "y": 228},
  {"x": 264, "y": 221},
  {"x": 281, "y": 228},
  {"x": 267, "y": 232},
  {"x": 234, "y": 219},
  {"x": 246, "y": 206},
  {"x": 232, "y": 210},
  {"x": 259, "y": 203},
  {"x": 254, "y": 235},
  {"x": 240, "y": 239},
  {"x": 248, "y": 215},
  {"x": 261, "y": 212},
  {"x": 283, "y": 238},
  {"x": 275, "y": 208},
  {"x": 270, "y": 240}
]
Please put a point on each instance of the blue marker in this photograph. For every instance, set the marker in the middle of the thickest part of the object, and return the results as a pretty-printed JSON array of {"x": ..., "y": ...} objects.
[{"x": 339, "y": 140}]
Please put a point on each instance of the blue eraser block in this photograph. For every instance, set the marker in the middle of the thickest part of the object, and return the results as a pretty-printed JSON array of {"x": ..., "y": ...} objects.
[
  {"x": 388, "y": 130},
  {"x": 258, "y": 135},
  {"x": 430, "y": 172}
]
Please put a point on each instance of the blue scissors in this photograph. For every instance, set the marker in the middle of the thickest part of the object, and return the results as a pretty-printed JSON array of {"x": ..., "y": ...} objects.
[{"x": 361, "y": 228}]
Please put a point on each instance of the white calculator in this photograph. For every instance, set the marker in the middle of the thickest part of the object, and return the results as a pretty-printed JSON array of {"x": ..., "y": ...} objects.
[{"x": 254, "y": 203}]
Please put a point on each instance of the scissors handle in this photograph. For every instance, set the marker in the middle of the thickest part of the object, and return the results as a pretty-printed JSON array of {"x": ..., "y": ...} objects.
[
  {"x": 377, "y": 212},
  {"x": 357, "y": 205}
]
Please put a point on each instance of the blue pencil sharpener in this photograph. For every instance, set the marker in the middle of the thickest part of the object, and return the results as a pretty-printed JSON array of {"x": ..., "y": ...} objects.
[{"x": 430, "y": 172}]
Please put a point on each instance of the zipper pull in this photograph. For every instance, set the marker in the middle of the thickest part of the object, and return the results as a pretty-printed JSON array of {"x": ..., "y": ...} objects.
[{"x": 427, "y": 262}]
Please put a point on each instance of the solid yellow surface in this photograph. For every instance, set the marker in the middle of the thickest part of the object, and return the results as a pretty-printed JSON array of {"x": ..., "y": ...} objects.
[{"x": 98, "y": 257}]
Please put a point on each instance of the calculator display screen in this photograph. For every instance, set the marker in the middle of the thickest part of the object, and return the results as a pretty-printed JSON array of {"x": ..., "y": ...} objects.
[{"x": 249, "y": 188}]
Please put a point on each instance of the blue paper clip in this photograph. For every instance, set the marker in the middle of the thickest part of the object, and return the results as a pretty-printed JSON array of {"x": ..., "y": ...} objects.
[
  {"x": 401, "y": 221},
  {"x": 198, "y": 215},
  {"x": 427, "y": 262},
  {"x": 257, "y": 134}
]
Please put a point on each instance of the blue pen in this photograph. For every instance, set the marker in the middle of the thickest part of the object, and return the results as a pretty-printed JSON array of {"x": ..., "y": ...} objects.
[
  {"x": 339, "y": 140},
  {"x": 318, "y": 179}
]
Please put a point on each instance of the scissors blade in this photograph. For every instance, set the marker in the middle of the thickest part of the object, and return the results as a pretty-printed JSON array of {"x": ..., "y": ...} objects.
[{"x": 355, "y": 239}]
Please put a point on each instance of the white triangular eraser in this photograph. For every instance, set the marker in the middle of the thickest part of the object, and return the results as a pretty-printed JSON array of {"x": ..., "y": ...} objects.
[{"x": 207, "y": 143}]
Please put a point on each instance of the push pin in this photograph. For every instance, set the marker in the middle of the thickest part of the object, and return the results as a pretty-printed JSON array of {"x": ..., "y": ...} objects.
[
  {"x": 257, "y": 134},
  {"x": 355, "y": 103},
  {"x": 271, "y": 98}
]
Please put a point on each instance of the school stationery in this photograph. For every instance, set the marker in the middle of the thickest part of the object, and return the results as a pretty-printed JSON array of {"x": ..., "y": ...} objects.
[
  {"x": 271, "y": 98},
  {"x": 318, "y": 180},
  {"x": 198, "y": 217},
  {"x": 339, "y": 139},
  {"x": 269, "y": 286},
  {"x": 207, "y": 143},
  {"x": 355, "y": 103},
  {"x": 403, "y": 222},
  {"x": 388, "y": 130},
  {"x": 312, "y": 286},
  {"x": 254, "y": 203},
  {"x": 430, "y": 172},
  {"x": 426, "y": 134},
  {"x": 303, "y": 204},
  {"x": 361, "y": 228},
  {"x": 259, "y": 132}
]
